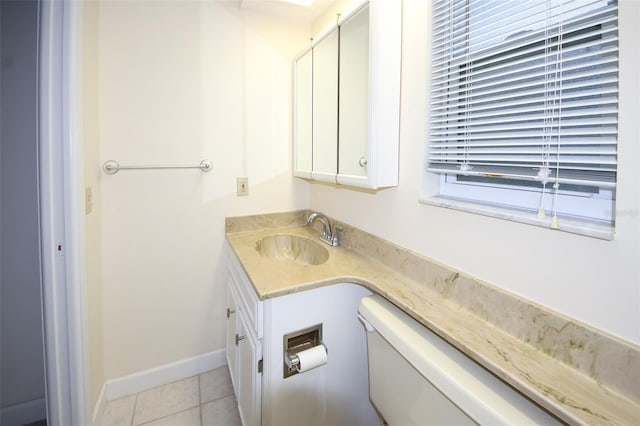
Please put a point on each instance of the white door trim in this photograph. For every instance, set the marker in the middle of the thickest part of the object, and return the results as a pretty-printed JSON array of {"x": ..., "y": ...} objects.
[{"x": 61, "y": 221}]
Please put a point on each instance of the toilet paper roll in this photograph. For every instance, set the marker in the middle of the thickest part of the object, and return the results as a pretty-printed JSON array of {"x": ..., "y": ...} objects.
[{"x": 311, "y": 358}]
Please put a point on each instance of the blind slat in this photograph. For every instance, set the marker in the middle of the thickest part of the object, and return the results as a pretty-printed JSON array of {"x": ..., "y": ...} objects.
[
  {"x": 473, "y": 81},
  {"x": 534, "y": 114},
  {"x": 605, "y": 183},
  {"x": 521, "y": 95},
  {"x": 567, "y": 141}
]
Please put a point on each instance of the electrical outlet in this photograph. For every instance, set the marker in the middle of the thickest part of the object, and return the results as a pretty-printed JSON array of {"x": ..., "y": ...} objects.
[{"x": 242, "y": 183}]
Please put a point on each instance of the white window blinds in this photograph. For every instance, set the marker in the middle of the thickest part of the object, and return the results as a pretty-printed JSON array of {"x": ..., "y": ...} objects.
[{"x": 525, "y": 91}]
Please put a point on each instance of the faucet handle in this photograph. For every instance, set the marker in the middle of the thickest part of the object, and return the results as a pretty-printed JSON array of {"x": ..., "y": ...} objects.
[{"x": 334, "y": 238}]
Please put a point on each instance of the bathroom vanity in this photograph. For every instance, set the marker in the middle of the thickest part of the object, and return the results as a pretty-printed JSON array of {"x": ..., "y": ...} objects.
[
  {"x": 268, "y": 392},
  {"x": 482, "y": 325}
]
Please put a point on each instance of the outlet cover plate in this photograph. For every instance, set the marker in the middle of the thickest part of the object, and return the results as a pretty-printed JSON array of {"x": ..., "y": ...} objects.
[{"x": 242, "y": 183}]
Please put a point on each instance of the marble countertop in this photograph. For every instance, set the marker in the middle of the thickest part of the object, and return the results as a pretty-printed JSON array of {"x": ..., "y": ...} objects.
[{"x": 435, "y": 296}]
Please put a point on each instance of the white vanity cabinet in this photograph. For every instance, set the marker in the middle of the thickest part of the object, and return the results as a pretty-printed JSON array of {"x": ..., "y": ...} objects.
[
  {"x": 244, "y": 344},
  {"x": 333, "y": 393},
  {"x": 347, "y": 99}
]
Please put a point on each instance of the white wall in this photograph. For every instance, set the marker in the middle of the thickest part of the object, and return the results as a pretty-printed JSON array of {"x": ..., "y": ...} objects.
[
  {"x": 179, "y": 82},
  {"x": 594, "y": 281},
  {"x": 176, "y": 82},
  {"x": 22, "y": 356},
  {"x": 328, "y": 18},
  {"x": 93, "y": 219}
]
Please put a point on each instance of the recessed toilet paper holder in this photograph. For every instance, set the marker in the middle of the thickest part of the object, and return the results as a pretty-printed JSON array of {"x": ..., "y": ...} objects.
[{"x": 296, "y": 342}]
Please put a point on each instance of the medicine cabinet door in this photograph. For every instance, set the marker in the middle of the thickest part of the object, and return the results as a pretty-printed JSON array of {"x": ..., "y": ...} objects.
[
  {"x": 370, "y": 57},
  {"x": 303, "y": 115},
  {"x": 325, "y": 108},
  {"x": 354, "y": 95}
]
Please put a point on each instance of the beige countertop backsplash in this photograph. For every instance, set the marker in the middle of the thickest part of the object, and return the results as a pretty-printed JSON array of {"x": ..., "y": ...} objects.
[{"x": 580, "y": 374}]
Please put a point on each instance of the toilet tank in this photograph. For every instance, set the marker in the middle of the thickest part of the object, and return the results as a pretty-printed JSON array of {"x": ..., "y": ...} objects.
[{"x": 416, "y": 378}]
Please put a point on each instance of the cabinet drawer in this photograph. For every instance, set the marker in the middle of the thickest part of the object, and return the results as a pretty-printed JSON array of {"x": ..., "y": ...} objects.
[{"x": 248, "y": 301}]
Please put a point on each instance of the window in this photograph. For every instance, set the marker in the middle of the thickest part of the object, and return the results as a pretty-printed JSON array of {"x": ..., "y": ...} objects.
[{"x": 524, "y": 109}]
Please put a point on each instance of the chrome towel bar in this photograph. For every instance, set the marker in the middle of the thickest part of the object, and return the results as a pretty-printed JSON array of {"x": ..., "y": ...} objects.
[{"x": 112, "y": 167}]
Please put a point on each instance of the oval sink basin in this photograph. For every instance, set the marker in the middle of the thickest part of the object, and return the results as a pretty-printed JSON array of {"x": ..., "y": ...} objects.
[{"x": 292, "y": 249}]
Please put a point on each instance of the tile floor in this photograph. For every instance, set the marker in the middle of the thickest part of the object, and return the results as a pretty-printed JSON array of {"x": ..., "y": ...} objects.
[{"x": 203, "y": 400}]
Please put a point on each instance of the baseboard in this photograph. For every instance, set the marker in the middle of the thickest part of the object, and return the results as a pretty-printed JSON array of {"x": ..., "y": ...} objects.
[
  {"x": 147, "y": 379},
  {"x": 26, "y": 412}
]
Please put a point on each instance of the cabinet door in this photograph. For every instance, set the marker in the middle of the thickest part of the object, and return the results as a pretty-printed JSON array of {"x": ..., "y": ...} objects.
[
  {"x": 232, "y": 329},
  {"x": 325, "y": 108},
  {"x": 303, "y": 115},
  {"x": 249, "y": 378},
  {"x": 383, "y": 96},
  {"x": 353, "y": 137}
]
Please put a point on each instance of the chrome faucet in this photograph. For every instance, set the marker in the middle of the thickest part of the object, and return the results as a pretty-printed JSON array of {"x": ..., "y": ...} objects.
[{"x": 329, "y": 233}]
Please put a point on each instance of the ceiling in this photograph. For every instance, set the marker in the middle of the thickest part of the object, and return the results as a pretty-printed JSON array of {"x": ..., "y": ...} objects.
[{"x": 285, "y": 9}]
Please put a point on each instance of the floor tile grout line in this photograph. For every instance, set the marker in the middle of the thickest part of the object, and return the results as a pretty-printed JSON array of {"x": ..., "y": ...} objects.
[
  {"x": 169, "y": 415},
  {"x": 196, "y": 377},
  {"x": 199, "y": 399},
  {"x": 217, "y": 399},
  {"x": 135, "y": 404},
  {"x": 231, "y": 393}
]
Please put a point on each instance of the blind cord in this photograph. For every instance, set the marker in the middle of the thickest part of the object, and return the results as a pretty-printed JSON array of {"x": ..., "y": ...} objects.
[
  {"x": 465, "y": 167},
  {"x": 549, "y": 110},
  {"x": 556, "y": 185}
]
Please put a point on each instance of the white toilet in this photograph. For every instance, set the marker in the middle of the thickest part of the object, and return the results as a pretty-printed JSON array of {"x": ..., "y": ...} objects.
[{"x": 416, "y": 378}]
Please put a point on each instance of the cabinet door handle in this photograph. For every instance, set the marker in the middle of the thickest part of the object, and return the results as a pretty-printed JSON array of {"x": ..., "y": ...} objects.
[
  {"x": 362, "y": 162},
  {"x": 238, "y": 338},
  {"x": 229, "y": 312}
]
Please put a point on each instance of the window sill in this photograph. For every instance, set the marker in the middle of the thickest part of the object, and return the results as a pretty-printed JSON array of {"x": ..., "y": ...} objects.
[{"x": 574, "y": 226}]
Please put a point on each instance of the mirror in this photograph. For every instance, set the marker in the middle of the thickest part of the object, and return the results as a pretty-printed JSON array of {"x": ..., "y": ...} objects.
[
  {"x": 354, "y": 95},
  {"x": 303, "y": 97},
  {"x": 325, "y": 102}
]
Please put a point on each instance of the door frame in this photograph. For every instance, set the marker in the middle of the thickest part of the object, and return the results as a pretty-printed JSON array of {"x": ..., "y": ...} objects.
[{"x": 61, "y": 179}]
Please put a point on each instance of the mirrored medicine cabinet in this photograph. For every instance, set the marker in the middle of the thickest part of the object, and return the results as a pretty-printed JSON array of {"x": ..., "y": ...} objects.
[{"x": 347, "y": 99}]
